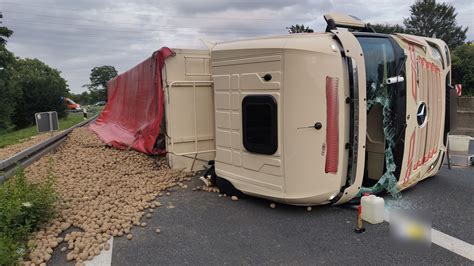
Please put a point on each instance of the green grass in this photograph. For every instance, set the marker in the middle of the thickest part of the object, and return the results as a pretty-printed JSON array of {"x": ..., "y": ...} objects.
[
  {"x": 25, "y": 133},
  {"x": 24, "y": 207}
]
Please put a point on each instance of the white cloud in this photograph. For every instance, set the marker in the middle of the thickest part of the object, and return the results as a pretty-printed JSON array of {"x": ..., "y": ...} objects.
[{"x": 75, "y": 36}]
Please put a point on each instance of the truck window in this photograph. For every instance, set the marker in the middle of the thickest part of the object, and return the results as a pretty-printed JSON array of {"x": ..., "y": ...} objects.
[
  {"x": 448, "y": 56},
  {"x": 259, "y": 124},
  {"x": 386, "y": 105},
  {"x": 379, "y": 61},
  {"x": 437, "y": 54}
]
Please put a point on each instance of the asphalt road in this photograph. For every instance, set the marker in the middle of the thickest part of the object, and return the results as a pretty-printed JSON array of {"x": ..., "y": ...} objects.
[{"x": 202, "y": 228}]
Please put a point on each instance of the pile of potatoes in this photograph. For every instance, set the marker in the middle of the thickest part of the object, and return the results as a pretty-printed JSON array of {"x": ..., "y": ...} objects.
[{"x": 103, "y": 192}]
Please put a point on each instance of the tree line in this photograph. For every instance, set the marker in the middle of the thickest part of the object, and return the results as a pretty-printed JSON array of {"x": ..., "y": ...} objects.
[
  {"x": 437, "y": 20},
  {"x": 97, "y": 88},
  {"x": 27, "y": 86}
]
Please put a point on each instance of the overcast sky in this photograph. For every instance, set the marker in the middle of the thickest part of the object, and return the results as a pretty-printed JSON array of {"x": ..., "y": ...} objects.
[{"x": 75, "y": 36}]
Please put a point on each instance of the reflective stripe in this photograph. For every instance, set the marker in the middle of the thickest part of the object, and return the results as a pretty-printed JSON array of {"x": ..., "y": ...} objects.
[{"x": 332, "y": 129}]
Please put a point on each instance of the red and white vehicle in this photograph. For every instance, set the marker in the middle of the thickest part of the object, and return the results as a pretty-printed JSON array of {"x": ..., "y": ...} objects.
[{"x": 71, "y": 105}]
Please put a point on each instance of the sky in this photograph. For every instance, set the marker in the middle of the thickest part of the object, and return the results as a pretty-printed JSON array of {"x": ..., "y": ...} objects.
[{"x": 76, "y": 35}]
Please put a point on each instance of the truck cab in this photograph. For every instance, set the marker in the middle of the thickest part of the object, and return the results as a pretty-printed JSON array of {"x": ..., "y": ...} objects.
[{"x": 320, "y": 118}]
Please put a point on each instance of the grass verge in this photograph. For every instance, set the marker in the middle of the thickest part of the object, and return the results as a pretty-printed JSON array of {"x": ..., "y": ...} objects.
[
  {"x": 24, "y": 207},
  {"x": 17, "y": 136}
]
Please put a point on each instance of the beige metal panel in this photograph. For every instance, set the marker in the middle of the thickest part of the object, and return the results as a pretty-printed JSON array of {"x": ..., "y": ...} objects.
[
  {"x": 188, "y": 64},
  {"x": 263, "y": 164},
  {"x": 235, "y": 121},
  {"x": 412, "y": 82},
  {"x": 223, "y": 155},
  {"x": 253, "y": 81},
  {"x": 221, "y": 82},
  {"x": 234, "y": 82},
  {"x": 304, "y": 105},
  {"x": 413, "y": 39},
  {"x": 222, "y": 101},
  {"x": 244, "y": 179},
  {"x": 423, "y": 145},
  {"x": 265, "y": 45},
  {"x": 242, "y": 48},
  {"x": 237, "y": 140},
  {"x": 189, "y": 109},
  {"x": 182, "y": 108},
  {"x": 243, "y": 70},
  {"x": 306, "y": 180},
  {"x": 222, "y": 120},
  {"x": 344, "y": 20},
  {"x": 235, "y": 101},
  {"x": 191, "y": 161},
  {"x": 295, "y": 174},
  {"x": 223, "y": 138},
  {"x": 236, "y": 158}
]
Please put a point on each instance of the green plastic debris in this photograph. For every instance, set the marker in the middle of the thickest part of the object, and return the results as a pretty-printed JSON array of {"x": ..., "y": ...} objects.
[{"x": 387, "y": 181}]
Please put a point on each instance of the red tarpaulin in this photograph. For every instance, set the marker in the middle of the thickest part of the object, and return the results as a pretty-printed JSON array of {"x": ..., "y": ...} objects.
[{"x": 135, "y": 109}]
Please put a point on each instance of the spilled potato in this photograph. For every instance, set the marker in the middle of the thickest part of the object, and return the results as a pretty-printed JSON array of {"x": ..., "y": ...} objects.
[{"x": 104, "y": 192}]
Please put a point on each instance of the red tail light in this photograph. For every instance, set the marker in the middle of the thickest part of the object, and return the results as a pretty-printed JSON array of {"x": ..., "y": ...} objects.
[{"x": 332, "y": 129}]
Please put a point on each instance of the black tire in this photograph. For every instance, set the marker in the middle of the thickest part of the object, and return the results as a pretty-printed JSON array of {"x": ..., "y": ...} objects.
[{"x": 226, "y": 187}]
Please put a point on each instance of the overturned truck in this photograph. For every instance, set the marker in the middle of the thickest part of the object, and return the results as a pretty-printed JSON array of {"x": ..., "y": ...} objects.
[{"x": 303, "y": 119}]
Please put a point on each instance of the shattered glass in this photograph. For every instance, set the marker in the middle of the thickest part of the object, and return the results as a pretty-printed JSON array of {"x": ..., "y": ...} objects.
[
  {"x": 380, "y": 64},
  {"x": 387, "y": 181}
]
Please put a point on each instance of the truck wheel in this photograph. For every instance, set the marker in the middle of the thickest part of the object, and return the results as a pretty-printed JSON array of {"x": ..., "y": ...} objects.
[{"x": 226, "y": 187}]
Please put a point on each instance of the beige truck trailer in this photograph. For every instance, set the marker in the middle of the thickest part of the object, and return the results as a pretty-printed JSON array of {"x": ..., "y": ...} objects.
[
  {"x": 316, "y": 118},
  {"x": 189, "y": 105}
]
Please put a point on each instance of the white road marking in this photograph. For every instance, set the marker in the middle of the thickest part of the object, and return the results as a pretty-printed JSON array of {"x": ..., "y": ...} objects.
[
  {"x": 452, "y": 244},
  {"x": 448, "y": 242},
  {"x": 105, "y": 257}
]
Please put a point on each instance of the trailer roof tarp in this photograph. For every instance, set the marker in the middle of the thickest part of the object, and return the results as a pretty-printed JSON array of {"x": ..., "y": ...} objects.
[{"x": 135, "y": 108}]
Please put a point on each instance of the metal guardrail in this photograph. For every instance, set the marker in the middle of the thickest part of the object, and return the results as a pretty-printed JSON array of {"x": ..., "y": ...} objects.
[{"x": 26, "y": 157}]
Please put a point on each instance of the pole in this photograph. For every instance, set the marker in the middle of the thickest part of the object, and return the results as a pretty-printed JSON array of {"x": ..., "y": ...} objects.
[
  {"x": 447, "y": 152},
  {"x": 360, "y": 226},
  {"x": 50, "y": 123}
]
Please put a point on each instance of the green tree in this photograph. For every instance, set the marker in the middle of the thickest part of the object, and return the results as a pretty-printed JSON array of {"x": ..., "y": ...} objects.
[
  {"x": 299, "y": 29},
  {"x": 5, "y": 33},
  {"x": 8, "y": 92},
  {"x": 41, "y": 90},
  {"x": 83, "y": 98},
  {"x": 99, "y": 77},
  {"x": 388, "y": 28},
  {"x": 27, "y": 86},
  {"x": 463, "y": 68},
  {"x": 438, "y": 20}
]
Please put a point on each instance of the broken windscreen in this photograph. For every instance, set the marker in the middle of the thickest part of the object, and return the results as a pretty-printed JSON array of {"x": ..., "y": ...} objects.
[
  {"x": 381, "y": 59},
  {"x": 379, "y": 62}
]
